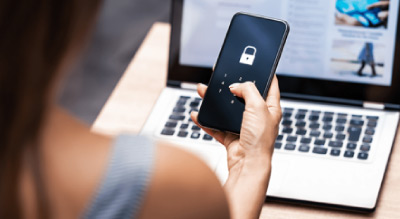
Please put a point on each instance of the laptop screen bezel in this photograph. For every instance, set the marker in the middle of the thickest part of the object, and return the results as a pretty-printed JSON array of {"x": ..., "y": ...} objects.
[{"x": 294, "y": 87}]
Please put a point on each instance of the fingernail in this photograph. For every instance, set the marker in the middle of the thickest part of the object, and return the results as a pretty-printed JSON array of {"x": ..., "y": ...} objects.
[{"x": 235, "y": 85}]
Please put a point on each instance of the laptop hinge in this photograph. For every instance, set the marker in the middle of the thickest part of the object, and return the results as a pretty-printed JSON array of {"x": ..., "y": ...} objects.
[
  {"x": 372, "y": 105},
  {"x": 189, "y": 86}
]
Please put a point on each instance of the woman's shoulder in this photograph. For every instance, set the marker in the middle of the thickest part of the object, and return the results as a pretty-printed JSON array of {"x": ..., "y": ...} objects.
[
  {"x": 143, "y": 175},
  {"x": 183, "y": 186}
]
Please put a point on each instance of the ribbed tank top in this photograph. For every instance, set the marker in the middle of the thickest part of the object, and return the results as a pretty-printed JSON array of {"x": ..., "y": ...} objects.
[{"x": 126, "y": 179}]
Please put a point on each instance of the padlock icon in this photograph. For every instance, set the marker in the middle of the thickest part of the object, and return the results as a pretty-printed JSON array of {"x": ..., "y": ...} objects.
[{"x": 248, "y": 57}]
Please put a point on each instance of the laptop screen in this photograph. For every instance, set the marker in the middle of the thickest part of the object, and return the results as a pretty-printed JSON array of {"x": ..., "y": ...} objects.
[{"x": 351, "y": 41}]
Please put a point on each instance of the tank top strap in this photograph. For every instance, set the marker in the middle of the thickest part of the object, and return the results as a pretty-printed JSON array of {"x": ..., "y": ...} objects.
[{"x": 125, "y": 182}]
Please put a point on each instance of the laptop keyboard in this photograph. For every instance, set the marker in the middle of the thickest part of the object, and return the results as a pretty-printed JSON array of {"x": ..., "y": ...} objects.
[
  {"x": 326, "y": 133},
  {"x": 321, "y": 133},
  {"x": 180, "y": 124}
]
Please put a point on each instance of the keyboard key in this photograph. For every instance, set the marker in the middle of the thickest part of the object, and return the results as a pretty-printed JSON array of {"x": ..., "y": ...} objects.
[
  {"x": 171, "y": 124},
  {"x": 339, "y": 128},
  {"x": 278, "y": 145},
  {"x": 351, "y": 146},
  {"x": 327, "y": 127},
  {"x": 349, "y": 154},
  {"x": 313, "y": 118},
  {"x": 288, "y": 109},
  {"x": 300, "y": 124},
  {"x": 167, "y": 132},
  {"x": 305, "y": 140},
  {"x": 304, "y": 148},
  {"x": 287, "y": 122},
  {"x": 291, "y": 139},
  {"x": 279, "y": 138},
  {"x": 315, "y": 133},
  {"x": 362, "y": 156},
  {"x": 356, "y": 122},
  {"x": 328, "y": 135},
  {"x": 314, "y": 125},
  {"x": 207, "y": 137},
  {"x": 342, "y": 114},
  {"x": 303, "y": 111},
  {"x": 372, "y": 124},
  {"x": 367, "y": 139},
  {"x": 287, "y": 130},
  {"x": 194, "y": 104},
  {"x": 341, "y": 121},
  {"x": 357, "y": 116},
  {"x": 319, "y": 142},
  {"x": 184, "y": 126},
  {"x": 373, "y": 117},
  {"x": 181, "y": 102},
  {"x": 370, "y": 131},
  {"x": 340, "y": 137},
  {"x": 196, "y": 128},
  {"x": 176, "y": 117},
  {"x": 198, "y": 99},
  {"x": 319, "y": 150},
  {"x": 329, "y": 113},
  {"x": 327, "y": 119},
  {"x": 315, "y": 112},
  {"x": 183, "y": 134},
  {"x": 184, "y": 97},
  {"x": 300, "y": 116},
  {"x": 336, "y": 144},
  {"x": 195, "y": 135},
  {"x": 286, "y": 115},
  {"x": 354, "y": 133},
  {"x": 365, "y": 147},
  {"x": 290, "y": 147},
  {"x": 301, "y": 132},
  {"x": 335, "y": 152},
  {"x": 179, "y": 110}
]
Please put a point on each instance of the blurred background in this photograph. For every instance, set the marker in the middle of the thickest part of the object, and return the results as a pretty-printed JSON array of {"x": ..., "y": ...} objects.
[{"x": 121, "y": 27}]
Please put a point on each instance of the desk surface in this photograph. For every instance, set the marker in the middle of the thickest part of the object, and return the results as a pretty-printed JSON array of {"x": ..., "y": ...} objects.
[{"x": 134, "y": 96}]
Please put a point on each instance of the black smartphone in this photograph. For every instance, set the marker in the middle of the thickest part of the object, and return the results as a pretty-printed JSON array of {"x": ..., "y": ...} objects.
[{"x": 250, "y": 52}]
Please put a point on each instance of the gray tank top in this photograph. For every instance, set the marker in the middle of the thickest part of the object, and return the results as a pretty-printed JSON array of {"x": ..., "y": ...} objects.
[{"x": 127, "y": 177}]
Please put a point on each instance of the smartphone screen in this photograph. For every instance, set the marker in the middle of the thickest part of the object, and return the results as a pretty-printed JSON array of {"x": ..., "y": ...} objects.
[{"x": 250, "y": 52}]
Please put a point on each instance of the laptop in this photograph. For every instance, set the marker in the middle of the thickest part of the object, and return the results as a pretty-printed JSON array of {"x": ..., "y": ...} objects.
[{"x": 339, "y": 82}]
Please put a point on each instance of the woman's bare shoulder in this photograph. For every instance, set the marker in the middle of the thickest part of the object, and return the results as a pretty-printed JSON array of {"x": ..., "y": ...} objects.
[
  {"x": 75, "y": 161},
  {"x": 183, "y": 186}
]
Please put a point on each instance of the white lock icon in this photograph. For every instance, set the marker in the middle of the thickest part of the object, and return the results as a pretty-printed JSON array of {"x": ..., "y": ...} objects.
[{"x": 248, "y": 58}]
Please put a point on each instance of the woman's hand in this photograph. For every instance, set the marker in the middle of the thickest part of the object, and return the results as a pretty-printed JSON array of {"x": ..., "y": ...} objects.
[{"x": 249, "y": 155}]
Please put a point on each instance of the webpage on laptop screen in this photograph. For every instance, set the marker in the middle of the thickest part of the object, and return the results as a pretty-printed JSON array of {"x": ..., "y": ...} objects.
[{"x": 340, "y": 40}]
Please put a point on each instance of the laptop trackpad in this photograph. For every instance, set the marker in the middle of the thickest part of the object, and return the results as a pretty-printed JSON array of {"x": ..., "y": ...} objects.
[{"x": 280, "y": 166}]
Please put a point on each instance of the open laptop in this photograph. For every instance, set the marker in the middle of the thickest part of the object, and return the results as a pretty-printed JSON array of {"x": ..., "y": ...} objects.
[{"x": 340, "y": 86}]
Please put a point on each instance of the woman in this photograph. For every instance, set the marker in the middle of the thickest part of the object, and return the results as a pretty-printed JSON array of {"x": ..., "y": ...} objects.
[
  {"x": 366, "y": 56},
  {"x": 52, "y": 166}
]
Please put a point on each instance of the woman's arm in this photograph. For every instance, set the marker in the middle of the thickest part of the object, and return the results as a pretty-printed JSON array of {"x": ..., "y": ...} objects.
[{"x": 249, "y": 155}]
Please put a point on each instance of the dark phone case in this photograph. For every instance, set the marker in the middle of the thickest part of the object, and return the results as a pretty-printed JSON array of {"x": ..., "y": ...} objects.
[{"x": 250, "y": 52}]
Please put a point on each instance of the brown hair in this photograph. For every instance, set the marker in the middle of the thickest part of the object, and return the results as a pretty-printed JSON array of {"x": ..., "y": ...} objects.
[{"x": 36, "y": 36}]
